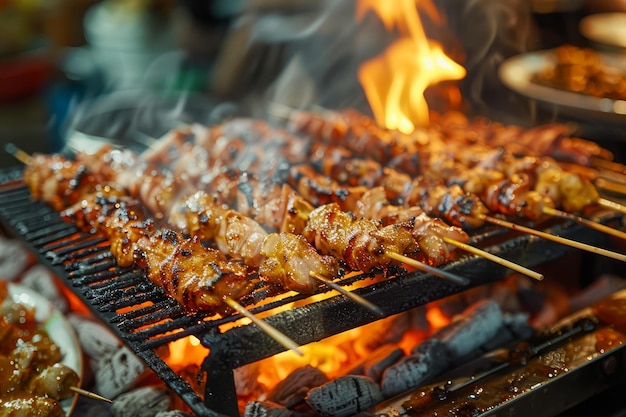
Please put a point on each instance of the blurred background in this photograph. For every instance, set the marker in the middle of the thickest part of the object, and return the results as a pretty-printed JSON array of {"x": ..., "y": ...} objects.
[{"x": 72, "y": 71}]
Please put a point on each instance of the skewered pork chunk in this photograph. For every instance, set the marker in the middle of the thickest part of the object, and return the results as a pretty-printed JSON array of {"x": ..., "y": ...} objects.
[
  {"x": 198, "y": 278},
  {"x": 289, "y": 260}
]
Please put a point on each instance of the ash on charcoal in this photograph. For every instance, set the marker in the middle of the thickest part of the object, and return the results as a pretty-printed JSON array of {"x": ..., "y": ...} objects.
[
  {"x": 266, "y": 409},
  {"x": 295, "y": 387},
  {"x": 40, "y": 279},
  {"x": 142, "y": 402},
  {"x": 479, "y": 323},
  {"x": 515, "y": 328},
  {"x": 476, "y": 327},
  {"x": 429, "y": 359},
  {"x": 344, "y": 396},
  {"x": 96, "y": 339},
  {"x": 172, "y": 413},
  {"x": 118, "y": 372},
  {"x": 388, "y": 330},
  {"x": 14, "y": 259}
]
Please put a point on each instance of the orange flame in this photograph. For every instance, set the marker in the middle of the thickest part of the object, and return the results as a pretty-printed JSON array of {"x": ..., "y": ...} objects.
[{"x": 395, "y": 81}]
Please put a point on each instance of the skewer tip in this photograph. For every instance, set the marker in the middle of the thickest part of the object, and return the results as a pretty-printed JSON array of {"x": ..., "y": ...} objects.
[
  {"x": 17, "y": 153},
  {"x": 496, "y": 259},
  {"x": 555, "y": 238},
  {"x": 90, "y": 394}
]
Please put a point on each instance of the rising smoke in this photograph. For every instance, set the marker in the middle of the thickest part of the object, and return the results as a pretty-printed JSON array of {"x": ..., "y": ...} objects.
[{"x": 322, "y": 49}]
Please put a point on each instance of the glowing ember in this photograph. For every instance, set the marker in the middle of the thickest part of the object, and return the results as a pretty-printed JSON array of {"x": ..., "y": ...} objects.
[
  {"x": 395, "y": 81},
  {"x": 186, "y": 351},
  {"x": 437, "y": 318}
]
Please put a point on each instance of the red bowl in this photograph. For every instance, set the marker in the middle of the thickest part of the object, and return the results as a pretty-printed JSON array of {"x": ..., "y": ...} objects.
[{"x": 24, "y": 75}]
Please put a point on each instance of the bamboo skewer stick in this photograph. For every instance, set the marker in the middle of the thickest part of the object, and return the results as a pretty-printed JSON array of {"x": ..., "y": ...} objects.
[
  {"x": 440, "y": 273},
  {"x": 589, "y": 223},
  {"x": 490, "y": 256},
  {"x": 610, "y": 186},
  {"x": 612, "y": 205},
  {"x": 271, "y": 331},
  {"x": 554, "y": 238},
  {"x": 17, "y": 153},
  {"x": 354, "y": 297},
  {"x": 610, "y": 165},
  {"x": 90, "y": 394}
]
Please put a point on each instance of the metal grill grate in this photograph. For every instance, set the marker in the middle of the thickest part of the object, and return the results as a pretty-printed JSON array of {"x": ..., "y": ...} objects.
[{"x": 151, "y": 320}]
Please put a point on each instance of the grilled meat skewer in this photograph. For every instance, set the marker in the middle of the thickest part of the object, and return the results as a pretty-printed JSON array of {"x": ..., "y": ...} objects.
[
  {"x": 475, "y": 167},
  {"x": 199, "y": 278}
]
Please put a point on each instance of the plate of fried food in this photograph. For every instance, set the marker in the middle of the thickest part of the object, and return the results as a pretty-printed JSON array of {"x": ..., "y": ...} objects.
[
  {"x": 571, "y": 80},
  {"x": 40, "y": 356}
]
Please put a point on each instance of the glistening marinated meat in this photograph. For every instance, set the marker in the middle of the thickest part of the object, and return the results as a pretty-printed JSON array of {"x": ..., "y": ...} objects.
[
  {"x": 289, "y": 260},
  {"x": 199, "y": 278},
  {"x": 363, "y": 244},
  {"x": 59, "y": 181}
]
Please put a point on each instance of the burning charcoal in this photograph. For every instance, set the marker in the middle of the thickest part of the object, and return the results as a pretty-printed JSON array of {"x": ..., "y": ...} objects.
[
  {"x": 418, "y": 320},
  {"x": 142, "y": 402},
  {"x": 604, "y": 286},
  {"x": 478, "y": 324},
  {"x": 429, "y": 359},
  {"x": 40, "y": 279},
  {"x": 294, "y": 388},
  {"x": 266, "y": 409},
  {"x": 344, "y": 396},
  {"x": 378, "y": 333},
  {"x": 117, "y": 372},
  {"x": 375, "y": 364},
  {"x": 451, "y": 306},
  {"x": 246, "y": 380}
]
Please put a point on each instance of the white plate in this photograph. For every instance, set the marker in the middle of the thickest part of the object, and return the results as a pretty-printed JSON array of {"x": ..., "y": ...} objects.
[
  {"x": 517, "y": 74},
  {"x": 59, "y": 329},
  {"x": 605, "y": 28}
]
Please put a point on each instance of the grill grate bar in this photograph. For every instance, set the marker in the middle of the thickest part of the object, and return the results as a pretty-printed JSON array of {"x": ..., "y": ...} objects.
[
  {"x": 164, "y": 306},
  {"x": 112, "y": 278},
  {"x": 49, "y": 227},
  {"x": 77, "y": 241},
  {"x": 159, "y": 315},
  {"x": 113, "y": 293},
  {"x": 14, "y": 200},
  {"x": 164, "y": 328},
  {"x": 129, "y": 300},
  {"x": 79, "y": 249},
  {"x": 198, "y": 331},
  {"x": 27, "y": 222},
  {"x": 89, "y": 273},
  {"x": 63, "y": 234}
]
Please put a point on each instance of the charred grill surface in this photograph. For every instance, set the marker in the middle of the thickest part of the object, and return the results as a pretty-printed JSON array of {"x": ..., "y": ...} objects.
[{"x": 151, "y": 319}]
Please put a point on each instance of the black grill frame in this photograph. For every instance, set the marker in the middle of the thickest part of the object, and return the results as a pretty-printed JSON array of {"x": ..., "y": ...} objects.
[{"x": 85, "y": 265}]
